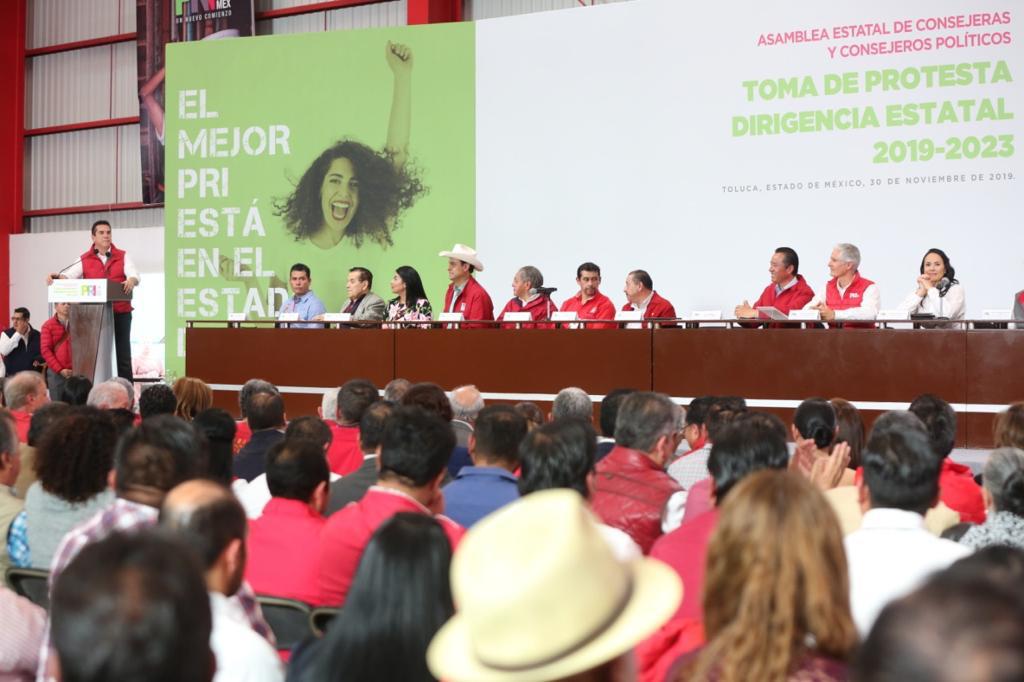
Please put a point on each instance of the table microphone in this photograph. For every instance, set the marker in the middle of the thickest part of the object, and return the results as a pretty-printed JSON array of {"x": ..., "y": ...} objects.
[
  {"x": 60, "y": 272},
  {"x": 543, "y": 291}
]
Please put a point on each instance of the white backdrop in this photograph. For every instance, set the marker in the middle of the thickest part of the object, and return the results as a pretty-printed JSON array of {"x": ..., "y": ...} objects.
[{"x": 605, "y": 135}]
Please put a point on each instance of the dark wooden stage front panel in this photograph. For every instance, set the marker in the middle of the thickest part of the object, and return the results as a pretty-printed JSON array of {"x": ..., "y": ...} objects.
[
  {"x": 526, "y": 360},
  {"x": 792, "y": 364},
  {"x": 290, "y": 357}
]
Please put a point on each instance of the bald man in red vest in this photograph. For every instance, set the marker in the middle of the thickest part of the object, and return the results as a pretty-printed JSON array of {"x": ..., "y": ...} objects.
[{"x": 105, "y": 261}]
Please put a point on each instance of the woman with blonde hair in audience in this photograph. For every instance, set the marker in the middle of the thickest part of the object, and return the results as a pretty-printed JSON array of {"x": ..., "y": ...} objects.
[
  {"x": 193, "y": 395},
  {"x": 776, "y": 596}
]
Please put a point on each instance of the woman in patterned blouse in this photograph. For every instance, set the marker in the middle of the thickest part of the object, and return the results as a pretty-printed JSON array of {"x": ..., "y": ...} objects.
[{"x": 410, "y": 303}]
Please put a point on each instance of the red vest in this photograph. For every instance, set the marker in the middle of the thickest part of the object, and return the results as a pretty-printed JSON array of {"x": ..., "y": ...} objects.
[
  {"x": 630, "y": 491},
  {"x": 93, "y": 268},
  {"x": 853, "y": 297},
  {"x": 793, "y": 298}
]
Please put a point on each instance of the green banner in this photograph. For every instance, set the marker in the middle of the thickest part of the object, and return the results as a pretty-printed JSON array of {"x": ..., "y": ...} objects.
[{"x": 336, "y": 150}]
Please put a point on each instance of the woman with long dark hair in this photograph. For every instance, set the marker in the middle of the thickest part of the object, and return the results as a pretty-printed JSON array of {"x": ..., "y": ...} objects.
[
  {"x": 938, "y": 291},
  {"x": 399, "y": 598},
  {"x": 410, "y": 303}
]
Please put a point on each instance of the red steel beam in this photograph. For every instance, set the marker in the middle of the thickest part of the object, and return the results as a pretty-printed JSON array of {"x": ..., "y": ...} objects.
[
  {"x": 79, "y": 44},
  {"x": 83, "y": 125},
  {"x": 433, "y": 11},
  {"x": 12, "y": 137},
  {"x": 91, "y": 208}
]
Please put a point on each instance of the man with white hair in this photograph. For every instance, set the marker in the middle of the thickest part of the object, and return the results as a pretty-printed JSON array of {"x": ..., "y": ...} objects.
[
  {"x": 529, "y": 296},
  {"x": 572, "y": 403},
  {"x": 109, "y": 395},
  {"x": 466, "y": 401},
  {"x": 848, "y": 296}
]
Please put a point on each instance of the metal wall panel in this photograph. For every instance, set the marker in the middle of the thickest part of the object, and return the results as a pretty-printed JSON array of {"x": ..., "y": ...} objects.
[
  {"x": 68, "y": 87},
  {"x": 302, "y": 23},
  {"x": 129, "y": 165},
  {"x": 72, "y": 169},
  {"x": 489, "y": 9},
  {"x": 124, "y": 99},
  {"x": 368, "y": 16},
  {"x": 143, "y": 217},
  {"x": 52, "y": 22}
]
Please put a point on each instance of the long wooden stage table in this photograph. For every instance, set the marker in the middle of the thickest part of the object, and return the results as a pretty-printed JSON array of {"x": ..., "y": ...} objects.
[{"x": 977, "y": 370}]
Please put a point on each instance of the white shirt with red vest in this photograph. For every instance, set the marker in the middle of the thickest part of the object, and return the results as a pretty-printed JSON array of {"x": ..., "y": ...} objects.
[
  {"x": 858, "y": 301},
  {"x": 77, "y": 271}
]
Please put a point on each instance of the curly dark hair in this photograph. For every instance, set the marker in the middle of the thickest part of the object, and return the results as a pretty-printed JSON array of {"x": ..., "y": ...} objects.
[
  {"x": 384, "y": 192},
  {"x": 76, "y": 453}
]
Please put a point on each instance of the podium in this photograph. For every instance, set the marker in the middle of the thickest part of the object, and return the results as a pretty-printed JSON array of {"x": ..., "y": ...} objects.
[{"x": 91, "y": 324}]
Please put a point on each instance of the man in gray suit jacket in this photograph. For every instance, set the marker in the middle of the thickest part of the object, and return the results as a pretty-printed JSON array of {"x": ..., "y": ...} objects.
[{"x": 363, "y": 304}]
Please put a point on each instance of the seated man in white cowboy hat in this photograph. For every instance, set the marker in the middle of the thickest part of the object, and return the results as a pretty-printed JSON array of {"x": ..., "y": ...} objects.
[
  {"x": 465, "y": 295},
  {"x": 542, "y": 597}
]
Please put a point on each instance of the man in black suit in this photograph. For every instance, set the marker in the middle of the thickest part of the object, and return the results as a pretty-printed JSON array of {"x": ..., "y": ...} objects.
[
  {"x": 265, "y": 415},
  {"x": 351, "y": 488},
  {"x": 20, "y": 344}
]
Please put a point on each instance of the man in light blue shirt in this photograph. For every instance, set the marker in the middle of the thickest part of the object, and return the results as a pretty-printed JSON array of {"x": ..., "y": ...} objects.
[
  {"x": 490, "y": 482},
  {"x": 303, "y": 300}
]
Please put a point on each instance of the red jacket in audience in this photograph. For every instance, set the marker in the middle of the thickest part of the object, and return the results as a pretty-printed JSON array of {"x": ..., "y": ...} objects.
[
  {"x": 630, "y": 491},
  {"x": 685, "y": 549},
  {"x": 344, "y": 454},
  {"x": 960, "y": 493},
  {"x": 57, "y": 358},
  {"x": 349, "y": 530},
  {"x": 283, "y": 551},
  {"x": 242, "y": 435}
]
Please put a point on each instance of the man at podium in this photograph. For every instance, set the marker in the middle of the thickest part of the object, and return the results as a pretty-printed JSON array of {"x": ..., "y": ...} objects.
[{"x": 106, "y": 261}]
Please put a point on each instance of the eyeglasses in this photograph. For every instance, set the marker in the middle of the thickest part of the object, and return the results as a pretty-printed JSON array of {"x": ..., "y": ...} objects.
[{"x": 17, "y": 318}]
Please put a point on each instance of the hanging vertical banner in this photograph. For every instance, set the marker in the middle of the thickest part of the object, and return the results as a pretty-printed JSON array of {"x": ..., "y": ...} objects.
[{"x": 174, "y": 21}]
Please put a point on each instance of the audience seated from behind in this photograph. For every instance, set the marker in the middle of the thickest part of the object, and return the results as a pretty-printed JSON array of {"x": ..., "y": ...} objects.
[
  {"x": 561, "y": 454},
  {"x": 816, "y": 429},
  {"x": 39, "y": 424},
  {"x": 1008, "y": 428},
  {"x": 1003, "y": 490},
  {"x": 692, "y": 467},
  {"x": 73, "y": 462},
  {"x": 572, "y": 403},
  {"x": 775, "y": 595},
  {"x": 255, "y": 494},
  {"x": 345, "y": 455},
  {"x": 957, "y": 488},
  {"x": 531, "y": 412},
  {"x": 846, "y": 503},
  {"x": 489, "y": 482},
  {"x": 892, "y": 552},
  {"x": 395, "y": 389},
  {"x": 284, "y": 541},
  {"x": 10, "y": 465},
  {"x": 110, "y": 395},
  {"x": 24, "y": 393},
  {"x": 964, "y": 623},
  {"x": 631, "y": 490},
  {"x": 76, "y": 390},
  {"x": 133, "y": 607},
  {"x": 413, "y": 453},
  {"x": 609, "y": 413},
  {"x": 399, "y": 598},
  {"x": 266, "y": 421},
  {"x": 157, "y": 399},
  {"x": 218, "y": 427},
  {"x": 466, "y": 402},
  {"x": 576, "y": 614},
  {"x": 250, "y": 388},
  {"x": 351, "y": 488},
  {"x": 212, "y": 522},
  {"x": 193, "y": 396},
  {"x": 750, "y": 442}
]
